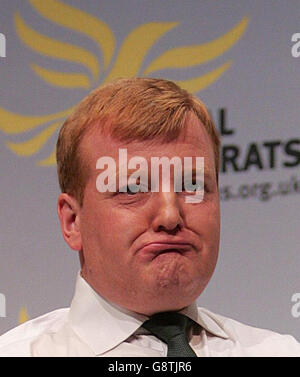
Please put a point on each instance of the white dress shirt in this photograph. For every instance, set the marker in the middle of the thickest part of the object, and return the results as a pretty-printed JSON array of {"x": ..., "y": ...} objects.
[{"x": 92, "y": 326}]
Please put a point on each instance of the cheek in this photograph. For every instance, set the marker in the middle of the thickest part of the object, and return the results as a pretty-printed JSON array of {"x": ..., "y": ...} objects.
[
  {"x": 206, "y": 225},
  {"x": 110, "y": 228},
  {"x": 205, "y": 222}
]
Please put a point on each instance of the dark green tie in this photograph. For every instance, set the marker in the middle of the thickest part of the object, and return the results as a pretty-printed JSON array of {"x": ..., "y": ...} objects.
[{"x": 171, "y": 328}]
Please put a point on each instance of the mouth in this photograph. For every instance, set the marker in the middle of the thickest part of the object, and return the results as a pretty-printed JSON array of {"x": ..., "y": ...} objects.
[{"x": 154, "y": 249}]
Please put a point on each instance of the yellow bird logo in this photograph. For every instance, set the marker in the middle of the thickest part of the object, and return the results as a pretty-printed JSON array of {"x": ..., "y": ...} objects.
[{"x": 126, "y": 62}]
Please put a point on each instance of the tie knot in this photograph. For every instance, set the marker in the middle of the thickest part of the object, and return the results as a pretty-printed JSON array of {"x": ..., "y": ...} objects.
[{"x": 168, "y": 325}]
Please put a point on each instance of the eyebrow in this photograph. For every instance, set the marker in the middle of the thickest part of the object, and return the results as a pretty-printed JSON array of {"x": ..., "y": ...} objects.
[
  {"x": 207, "y": 171},
  {"x": 208, "y": 174}
]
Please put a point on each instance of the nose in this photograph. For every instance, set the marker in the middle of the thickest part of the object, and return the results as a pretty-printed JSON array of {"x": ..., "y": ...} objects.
[{"x": 168, "y": 215}]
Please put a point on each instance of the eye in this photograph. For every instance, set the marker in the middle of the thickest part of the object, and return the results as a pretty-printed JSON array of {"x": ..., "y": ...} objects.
[
  {"x": 129, "y": 190},
  {"x": 132, "y": 189},
  {"x": 193, "y": 186}
]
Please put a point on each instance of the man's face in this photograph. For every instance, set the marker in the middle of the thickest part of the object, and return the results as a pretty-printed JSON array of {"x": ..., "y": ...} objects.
[{"x": 151, "y": 251}]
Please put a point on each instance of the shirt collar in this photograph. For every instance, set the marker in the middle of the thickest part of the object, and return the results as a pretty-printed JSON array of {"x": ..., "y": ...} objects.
[
  {"x": 103, "y": 325},
  {"x": 99, "y": 323}
]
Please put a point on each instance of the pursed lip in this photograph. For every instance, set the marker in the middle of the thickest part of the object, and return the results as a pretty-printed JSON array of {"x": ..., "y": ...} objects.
[{"x": 155, "y": 248}]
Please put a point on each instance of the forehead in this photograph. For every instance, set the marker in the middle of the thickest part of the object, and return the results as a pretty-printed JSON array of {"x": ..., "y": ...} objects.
[{"x": 192, "y": 141}]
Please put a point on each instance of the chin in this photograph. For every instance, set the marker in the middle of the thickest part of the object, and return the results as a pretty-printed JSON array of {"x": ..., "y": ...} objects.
[{"x": 180, "y": 284}]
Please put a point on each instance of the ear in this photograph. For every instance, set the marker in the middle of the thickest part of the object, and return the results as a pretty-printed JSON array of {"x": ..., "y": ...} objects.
[{"x": 68, "y": 210}]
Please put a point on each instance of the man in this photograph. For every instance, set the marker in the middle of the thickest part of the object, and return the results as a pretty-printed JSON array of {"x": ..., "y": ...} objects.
[{"x": 146, "y": 253}]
